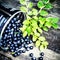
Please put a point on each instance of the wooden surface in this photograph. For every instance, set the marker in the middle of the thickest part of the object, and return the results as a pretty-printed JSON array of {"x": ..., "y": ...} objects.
[{"x": 48, "y": 55}]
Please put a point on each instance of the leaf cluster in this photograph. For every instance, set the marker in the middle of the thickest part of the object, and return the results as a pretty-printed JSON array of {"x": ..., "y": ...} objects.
[{"x": 36, "y": 21}]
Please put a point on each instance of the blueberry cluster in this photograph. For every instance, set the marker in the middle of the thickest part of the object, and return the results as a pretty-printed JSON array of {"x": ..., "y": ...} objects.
[
  {"x": 34, "y": 58},
  {"x": 13, "y": 40}
]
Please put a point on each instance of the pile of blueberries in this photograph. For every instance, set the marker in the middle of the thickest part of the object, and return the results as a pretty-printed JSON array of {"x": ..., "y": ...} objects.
[{"x": 13, "y": 40}]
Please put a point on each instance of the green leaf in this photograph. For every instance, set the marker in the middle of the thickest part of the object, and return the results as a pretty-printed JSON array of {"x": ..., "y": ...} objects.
[
  {"x": 34, "y": 24},
  {"x": 35, "y": 17},
  {"x": 28, "y": 17},
  {"x": 45, "y": 43},
  {"x": 46, "y": 1},
  {"x": 23, "y": 9},
  {"x": 49, "y": 19},
  {"x": 23, "y": 2},
  {"x": 26, "y": 22},
  {"x": 55, "y": 26},
  {"x": 48, "y": 6},
  {"x": 41, "y": 38},
  {"x": 52, "y": 19},
  {"x": 39, "y": 30},
  {"x": 40, "y": 25},
  {"x": 55, "y": 20},
  {"x": 37, "y": 44},
  {"x": 40, "y": 4},
  {"x": 24, "y": 33},
  {"x": 34, "y": 38},
  {"x": 34, "y": 11},
  {"x": 30, "y": 4},
  {"x": 45, "y": 28},
  {"x": 30, "y": 13},
  {"x": 42, "y": 20},
  {"x": 43, "y": 13},
  {"x": 23, "y": 28},
  {"x": 36, "y": 33},
  {"x": 28, "y": 30},
  {"x": 48, "y": 24},
  {"x": 41, "y": 47},
  {"x": 34, "y": 28}
]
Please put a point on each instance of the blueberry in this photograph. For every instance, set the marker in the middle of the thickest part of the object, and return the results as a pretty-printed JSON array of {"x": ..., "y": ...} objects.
[
  {"x": 9, "y": 25},
  {"x": 11, "y": 33},
  {"x": 31, "y": 54},
  {"x": 15, "y": 42},
  {"x": 15, "y": 39},
  {"x": 40, "y": 58},
  {"x": 6, "y": 31},
  {"x": 18, "y": 42},
  {"x": 18, "y": 25},
  {"x": 17, "y": 22},
  {"x": 12, "y": 21},
  {"x": 12, "y": 50},
  {"x": 18, "y": 35},
  {"x": 16, "y": 48},
  {"x": 12, "y": 45},
  {"x": 31, "y": 47},
  {"x": 15, "y": 55},
  {"x": 23, "y": 51},
  {"x": 20, "y": 51},
  {"x": 8, "y": 28},
  {"x": 25, "y": 45},
  {"x": 9, "y": 42},
  {"x": 27, "y": 49},
  {"x": 22, "y": 41},
  {"x": 13, "y": 25},
  {"x": 42, "y": 53},
  {"x": 33, "y": 58},
  {"x": 20, "y": 47},
  {"x": 5, "y": 35},
  {"x": 9, "y": 36},
  {"x": 30, "y": 41},
  {"x": 12, "y": 29},
  {"x": 16, "y": 45},
  {"x": 27, "y": 42},
  {"x": 18, "y": 38}
]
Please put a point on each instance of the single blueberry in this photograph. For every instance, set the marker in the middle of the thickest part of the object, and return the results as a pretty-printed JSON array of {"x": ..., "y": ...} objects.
[
  {"x": 33, "y": 58},
  {"x": 42, "y": 53},
  {"x": 23, "y": 51},
  {"x": 15, "y": 55},
  {"x": 31, "y": 47},
  {"x": 31, "y": 54},
  {"x": 27, "y": 49},
  {"x": 40, "y": 58}
]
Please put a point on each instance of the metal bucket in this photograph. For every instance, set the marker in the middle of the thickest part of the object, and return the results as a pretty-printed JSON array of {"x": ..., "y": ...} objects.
[{"x": 5, "y": 21}]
